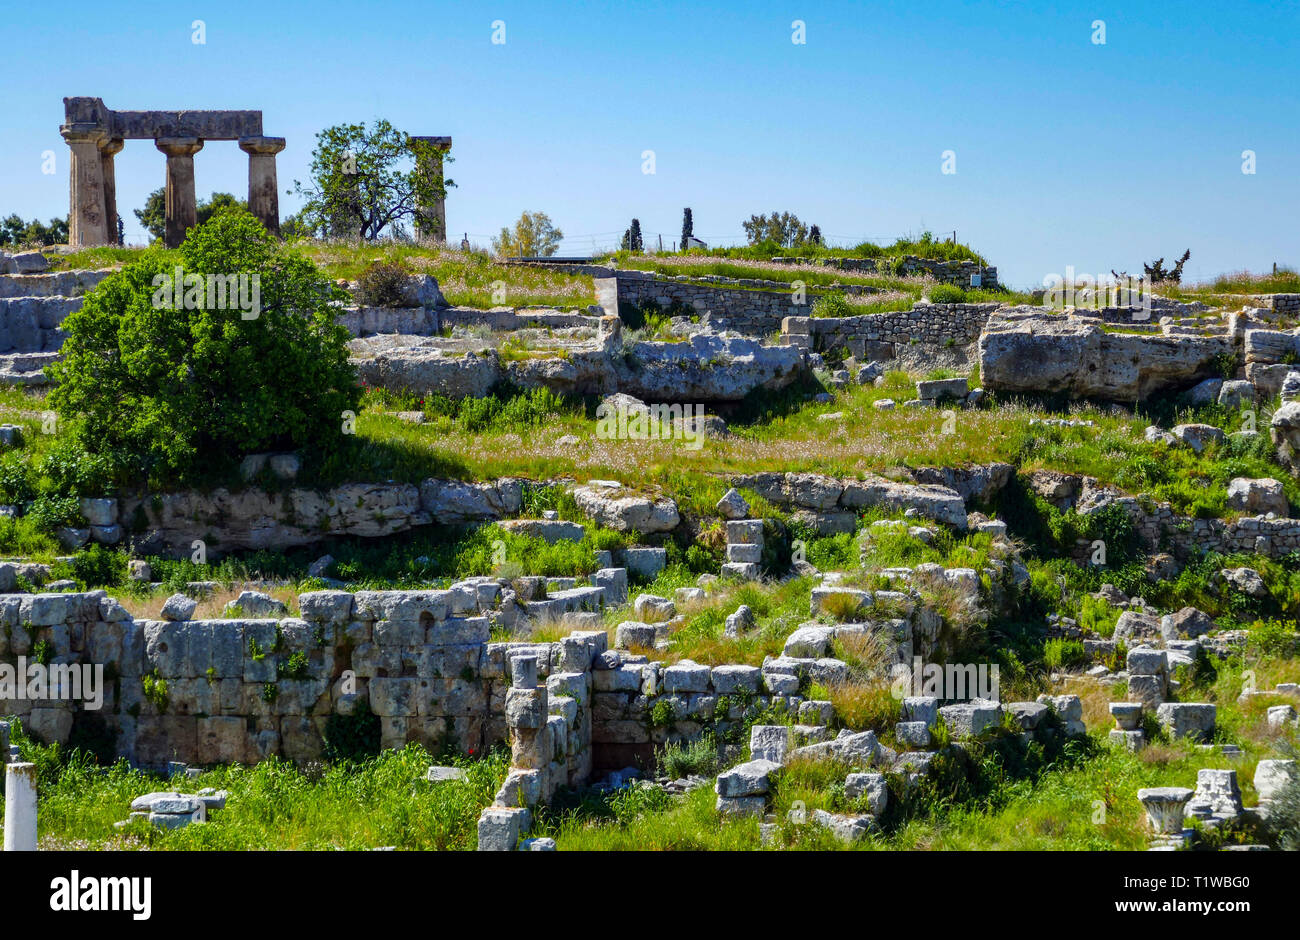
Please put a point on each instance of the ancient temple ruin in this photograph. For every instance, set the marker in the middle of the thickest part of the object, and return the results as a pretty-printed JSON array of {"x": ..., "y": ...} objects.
[
  {"x": 96, "y": 133},
  {"x": 431, "y": 219}
]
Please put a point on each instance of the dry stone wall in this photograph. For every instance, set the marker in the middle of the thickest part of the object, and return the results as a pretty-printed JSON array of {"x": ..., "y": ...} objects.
[
  {"x": 876, "y": 336},
  {"x": 948, "y": 272}
]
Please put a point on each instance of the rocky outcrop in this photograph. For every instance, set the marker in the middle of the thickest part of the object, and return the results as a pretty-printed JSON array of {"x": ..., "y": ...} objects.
[
  {"x": 425, "y": 369},
  {"x": 834, "y": 504},
  {"x": 707, "y": 368},
  {"x": 617, "y": 507},
  {"x": 1024, "y": 349},
  {"x": 980, "y": 482},
  {"x": 228, "y": 520},
  {"x": 1285, "y": 432}
]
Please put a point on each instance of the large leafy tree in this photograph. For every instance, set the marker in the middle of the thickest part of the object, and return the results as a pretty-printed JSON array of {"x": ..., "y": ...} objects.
[
  {"x": 172, "y": 394},
  {"x": 366, "y": 182},
  {"x": 154, "y": 214},
  {"x": 533, "y": 236}
]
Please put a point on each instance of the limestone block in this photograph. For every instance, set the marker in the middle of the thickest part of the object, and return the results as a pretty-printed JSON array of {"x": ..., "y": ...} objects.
[
  {"x": 869, "y": 785},
  {"x": 687, "y": 676},
  {"x": 770, "y": 742},
  {"x": 1188, "y": 719},
  {"x": 733, "y": 680},
  {"x": 969, "y": 719}
]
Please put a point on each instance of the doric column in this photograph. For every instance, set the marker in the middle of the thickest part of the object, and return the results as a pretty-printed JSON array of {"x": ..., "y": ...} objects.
[
  {"x": 263, "y": 192},
  {"x": 431, "y": 215},
  {"x": 182, "y": 211},
  {"x": 110, "y": 147},
  {"x": 86, "y": 222}
]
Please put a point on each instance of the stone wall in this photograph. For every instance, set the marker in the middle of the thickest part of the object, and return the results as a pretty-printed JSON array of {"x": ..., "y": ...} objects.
[
  {"x": 876, "y": 336},
  {"x": 505, "y": 319},
  {"x": 753, "y": 312},
  {"x": 1160, "y": 529},
  {"x": 207, "y": 691},
  {"x": 226, "y": 520},
  {"x": 369, "y": 321},
  {"x": 1280, "y": 303},
  {"x": 948, "y": 272}
]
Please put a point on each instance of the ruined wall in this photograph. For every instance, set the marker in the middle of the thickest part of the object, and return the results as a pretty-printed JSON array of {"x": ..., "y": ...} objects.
[
  {"x": 229, "y": 520},
  {"x": 753, "y": 312},
  {"x": 948, "y": 272},
  {"x": 505, "y": 319},
  {"x": 1280, "y": 303},
  {"x": 207, "y": 691},
  {"x": 875, "y": 336}
]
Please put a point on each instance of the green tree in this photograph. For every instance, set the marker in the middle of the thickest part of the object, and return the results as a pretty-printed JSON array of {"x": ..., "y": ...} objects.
[
  {"x": 170, "y": 392},
  {"x": 781, "y": 228},
  {"x": 19, "y": 234},
  {"x": 533, "y": 236},
  {"x": 632, "y": 237},
  {"x": 154, "y": 214},
  {"x": 688, "y": 227},
  {"x": 365, "y": 183}
]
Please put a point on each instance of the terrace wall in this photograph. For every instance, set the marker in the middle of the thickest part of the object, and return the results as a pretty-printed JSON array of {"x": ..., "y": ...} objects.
[
  {"x": 238, "y": 689},
  {"x": 875, "y": 336}
]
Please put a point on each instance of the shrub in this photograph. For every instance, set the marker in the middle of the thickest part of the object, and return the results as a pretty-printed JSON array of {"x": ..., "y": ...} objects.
[
  {"x": 169, "y": 392},
  {"x": 50, "y": 512},
  {"x": 682, "y": 759},
  {"x": 98, "y": 566},
  {"x": 382, "y": 285},
  {"x": 946, "y": 294},
  {"x": 1061, "y": 653},
  {"x": 352, "y": 737},
  {"x": 832, "y": 305}
]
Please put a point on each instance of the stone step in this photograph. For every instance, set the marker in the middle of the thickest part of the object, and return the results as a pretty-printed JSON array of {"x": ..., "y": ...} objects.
[
  {"x": 25, "y": 368},
  {"x": 58, "y": 284},
  {"x": 31, "y": 324}
]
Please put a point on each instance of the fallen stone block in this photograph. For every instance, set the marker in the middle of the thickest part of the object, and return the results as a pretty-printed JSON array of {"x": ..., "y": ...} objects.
[
  {"x": 848, "y": 829},
  {"x": 969, "y": 719},
  {"x": 1188, "y": 719},
  {"x": 748, "y": 779},
  {"x": 872, "y": 786}
]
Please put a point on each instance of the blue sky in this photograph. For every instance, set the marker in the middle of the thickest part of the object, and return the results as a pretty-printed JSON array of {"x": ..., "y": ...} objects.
[{"x": 1067, "y": 152}]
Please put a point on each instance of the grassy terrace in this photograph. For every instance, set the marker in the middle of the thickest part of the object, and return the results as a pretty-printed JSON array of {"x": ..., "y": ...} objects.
[
  {"x": 529, "y": 434},
  {"x": 1232, "y": 289},
  {"x": 465, "y": 278}
]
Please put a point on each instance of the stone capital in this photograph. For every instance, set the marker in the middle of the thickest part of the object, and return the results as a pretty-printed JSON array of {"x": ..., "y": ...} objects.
[
  {"x": 82, "y": 133},
  {"x": 179, "y": 146},
  {"x": 111, "y": 146},
  {"x": 439, "y": 143},
  {"x": 261, "y": 145}
]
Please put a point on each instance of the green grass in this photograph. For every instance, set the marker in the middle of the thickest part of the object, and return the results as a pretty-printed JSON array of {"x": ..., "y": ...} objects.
[
  {"x": 383, "y": 801},
  {"x": 465, "y": 278}
]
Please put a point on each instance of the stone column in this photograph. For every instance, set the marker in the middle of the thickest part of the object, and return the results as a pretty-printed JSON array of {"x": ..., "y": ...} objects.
[
  {"x": 108, "y": 149},
  {"x": 431, "y": 218},
  {"x": 182, "y": 210},
  {"x": 263, "y": 191},
  {"x": 20, "y": 807},
  {"x": 86, "y": 222}
]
